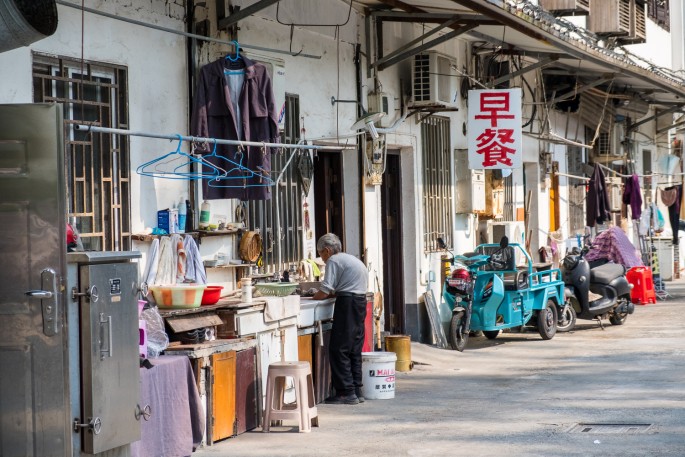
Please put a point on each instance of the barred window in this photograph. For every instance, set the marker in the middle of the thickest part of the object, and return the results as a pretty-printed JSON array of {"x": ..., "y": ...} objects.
[
  {"x": 437, "y": 182},
  {"x": 659, "y": 12},
  {"x": 262, "y": 214},
  {"x": 97, "y": 164}
]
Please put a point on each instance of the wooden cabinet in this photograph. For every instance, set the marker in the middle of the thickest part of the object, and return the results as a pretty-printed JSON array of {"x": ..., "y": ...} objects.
[
  {"x": 246, "y": 391},
  {"x": 304, "y": 349},
  {"x": 223, "y": 395}
]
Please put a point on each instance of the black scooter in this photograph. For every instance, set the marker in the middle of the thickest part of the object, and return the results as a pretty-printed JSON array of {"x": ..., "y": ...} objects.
[{"x": 608, "y": 284}]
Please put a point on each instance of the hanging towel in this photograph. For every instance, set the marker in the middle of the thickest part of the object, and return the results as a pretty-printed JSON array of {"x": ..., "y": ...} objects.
[
  {"x": 195, "y": 269},
  {"x": 598, "y": 209},
  {"x": 166, "y": 267},
  {"x": 152, "y": 261},
  {"x": 179, "y": 258},
  {"x": 633, "y": 197}
]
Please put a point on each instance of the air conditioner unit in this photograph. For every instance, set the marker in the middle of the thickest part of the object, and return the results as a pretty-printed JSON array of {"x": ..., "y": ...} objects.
[
  {"x": 611, "y": 17},
  {"x": 566, "y": 7},
  {"x": 434, "y": 80},
  {"x": 615, "y": 189},
  {"x": 513, "y": 230},
  {"x": 470, "y": 185}
]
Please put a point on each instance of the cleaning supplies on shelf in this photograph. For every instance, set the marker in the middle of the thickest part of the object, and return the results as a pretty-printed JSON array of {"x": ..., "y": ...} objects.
[
  {"x": 182, "y": 212},
  {"x": 205, "y": 215}
]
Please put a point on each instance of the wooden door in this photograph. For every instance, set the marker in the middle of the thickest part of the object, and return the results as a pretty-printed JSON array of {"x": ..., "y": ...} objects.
[
  {"x": 246, "y": 390},
  {"x": 328, "y": 195},
  {"x": 223, "y": 395}
]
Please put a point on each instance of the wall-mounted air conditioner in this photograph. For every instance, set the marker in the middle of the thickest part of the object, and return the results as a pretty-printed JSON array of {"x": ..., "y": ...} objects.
[
  {"x": 566, "y": 7},
  {"x": 612, "y": 17},
  {"x": 615, "y": 189},
  {"x": 434, "y": 80},
  {"x": 514, "y": 230},
  {"x": 610, "y": 144},
  {"x": 470, "y": 196}
]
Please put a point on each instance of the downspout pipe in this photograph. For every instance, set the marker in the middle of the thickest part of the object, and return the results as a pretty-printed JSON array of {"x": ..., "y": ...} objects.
[{"x": 360, "y": 154}]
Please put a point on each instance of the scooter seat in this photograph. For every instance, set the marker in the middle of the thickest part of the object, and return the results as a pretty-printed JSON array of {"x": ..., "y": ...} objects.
[{"x": 606, "y": 273}]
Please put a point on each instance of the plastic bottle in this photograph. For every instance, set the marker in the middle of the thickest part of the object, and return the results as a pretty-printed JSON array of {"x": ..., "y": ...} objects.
[
  {"x": 205, "y": 215},
  {"x": 246, "y": 290},
  {"x": 181, "y": 216}
]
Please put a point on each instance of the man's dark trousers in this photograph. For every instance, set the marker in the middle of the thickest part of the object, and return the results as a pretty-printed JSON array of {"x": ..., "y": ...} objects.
[{"x": 347, "y": 339}]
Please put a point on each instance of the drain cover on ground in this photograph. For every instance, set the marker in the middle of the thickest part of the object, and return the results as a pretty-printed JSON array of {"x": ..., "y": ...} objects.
[{"x": 623, "y": 429}]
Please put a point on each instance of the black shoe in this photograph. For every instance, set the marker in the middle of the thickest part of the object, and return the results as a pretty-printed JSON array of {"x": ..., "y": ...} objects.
[
  {"x": 350, "y": 399},
  {"x": 360, "y": 397}
]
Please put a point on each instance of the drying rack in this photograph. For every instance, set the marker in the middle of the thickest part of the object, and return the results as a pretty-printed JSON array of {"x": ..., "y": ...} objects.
[{"x": 295, "y": 147}]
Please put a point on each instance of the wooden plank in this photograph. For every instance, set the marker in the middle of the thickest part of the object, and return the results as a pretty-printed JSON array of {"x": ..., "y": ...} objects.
[
  {"x": 246, "y": 390},
  {"x": 224, "y": 395},
  {"x": 206, "y": 349},
  {"x": 434, "y": 317},
  {"x": 304, "y": 349},
  {"x": 185, "y": 323}
]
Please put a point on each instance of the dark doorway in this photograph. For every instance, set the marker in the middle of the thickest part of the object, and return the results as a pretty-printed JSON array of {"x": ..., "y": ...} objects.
[
  {"x": 393, "y": 271},
  {"x": 328, "y": 195}
]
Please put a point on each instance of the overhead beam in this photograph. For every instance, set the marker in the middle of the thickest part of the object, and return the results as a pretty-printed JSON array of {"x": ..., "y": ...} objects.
[
  {"x": 599, "y": 82},
  {"x": 244, "y": 12},
  {"x": 670, "y": 110},
  {"x": 522, "y": 71},
  {"x": 413, "y": 42},
  {"x": 428, "y": 45},
  {"x": 401, "y": 16}
]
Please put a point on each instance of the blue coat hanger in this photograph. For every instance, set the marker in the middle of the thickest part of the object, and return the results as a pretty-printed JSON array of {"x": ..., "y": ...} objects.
[
  {"x": 237, "y": 172},
  {"x": 155, "y": 167}
]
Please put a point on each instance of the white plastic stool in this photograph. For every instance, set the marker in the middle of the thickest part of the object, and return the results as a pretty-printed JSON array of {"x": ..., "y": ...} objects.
[{"x": 304, "y": 408}]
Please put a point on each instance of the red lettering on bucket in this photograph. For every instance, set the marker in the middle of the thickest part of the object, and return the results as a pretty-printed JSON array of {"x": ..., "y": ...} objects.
[
  {"x": 390, "y": 379},
  {"x": 383, "y": 372}
]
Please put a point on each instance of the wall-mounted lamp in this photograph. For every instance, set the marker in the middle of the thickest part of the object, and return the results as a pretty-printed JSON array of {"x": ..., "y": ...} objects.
[{"x": 365, "y": 121}]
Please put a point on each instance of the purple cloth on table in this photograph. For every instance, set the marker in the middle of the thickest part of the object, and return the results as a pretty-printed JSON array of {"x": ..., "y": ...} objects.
[
  {"x": 614, "y": 245},
  {"x": 177, "y": 423},
  {"x": 633, "y": 197}
]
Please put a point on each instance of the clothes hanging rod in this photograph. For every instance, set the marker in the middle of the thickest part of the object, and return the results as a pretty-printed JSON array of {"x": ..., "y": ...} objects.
[
  {"x": 581, "y": 178},
  {"x": 185, "y": 34},
  {"x": 95, "y": 129}
]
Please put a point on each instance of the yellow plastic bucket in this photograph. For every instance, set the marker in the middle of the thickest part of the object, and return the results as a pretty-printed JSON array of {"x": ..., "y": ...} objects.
[{"x": 400, "y": 345}]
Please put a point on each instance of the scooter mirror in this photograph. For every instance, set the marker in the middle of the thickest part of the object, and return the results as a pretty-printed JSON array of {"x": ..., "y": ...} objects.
[
  {"x": 441, "y": 243},
  {"x": 504, "y": 242}
]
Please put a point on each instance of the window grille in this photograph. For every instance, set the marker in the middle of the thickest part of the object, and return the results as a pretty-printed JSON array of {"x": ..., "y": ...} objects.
[
  {"x": 659, "y": 12},
  {"x": 437, "y": 182},
  {"x": 262, "y": 214},
  {"x": 509, "y": 209},
  {"x": 97, "y": 164},
  {"x": 576, "y": 191}
]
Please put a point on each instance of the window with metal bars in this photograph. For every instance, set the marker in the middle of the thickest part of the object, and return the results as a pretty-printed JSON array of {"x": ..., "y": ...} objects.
[
  {"x": 659, "y": 12},
  {"x": 97, "y": 164},
  {"x": 262, "y": 214},
  {"x": 437, "y": 182},
  {"x": 576, "y": 191}
]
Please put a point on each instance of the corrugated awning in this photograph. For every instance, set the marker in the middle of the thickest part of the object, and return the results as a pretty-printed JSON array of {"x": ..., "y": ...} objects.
[{"x": 522, "y": 31}]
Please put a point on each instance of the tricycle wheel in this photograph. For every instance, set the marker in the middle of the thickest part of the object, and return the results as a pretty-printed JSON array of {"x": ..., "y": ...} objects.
[
  {"x": 567, "y": 318},
  {"x": 491, "y": 334},
  {"x": 459, "y": 335},
  {"x": 547, "y": 321}
]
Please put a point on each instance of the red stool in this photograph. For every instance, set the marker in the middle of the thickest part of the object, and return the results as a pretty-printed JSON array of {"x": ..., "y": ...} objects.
[{"x": 643, "y": 285}]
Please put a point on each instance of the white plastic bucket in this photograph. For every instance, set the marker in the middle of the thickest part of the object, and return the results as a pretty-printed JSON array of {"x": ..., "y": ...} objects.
[{"x": 378, "y": 375}]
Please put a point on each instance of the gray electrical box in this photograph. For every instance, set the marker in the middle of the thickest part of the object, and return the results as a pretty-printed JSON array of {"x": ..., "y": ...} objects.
[{"x": 470, "y": 196}]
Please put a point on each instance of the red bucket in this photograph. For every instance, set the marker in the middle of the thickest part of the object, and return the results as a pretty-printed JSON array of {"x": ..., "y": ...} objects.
[{"x": 211, "y": 295}]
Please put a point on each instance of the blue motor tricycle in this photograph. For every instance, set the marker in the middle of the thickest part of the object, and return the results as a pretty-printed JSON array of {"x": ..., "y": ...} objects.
[{"x": 487, "y": 292}]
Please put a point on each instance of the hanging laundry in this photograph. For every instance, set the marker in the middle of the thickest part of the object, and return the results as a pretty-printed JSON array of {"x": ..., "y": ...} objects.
[
  {"x": 195, "y": 269},
  {"x": 633, "y": 197},
  {"x": 152, "y": 261},
  {"x": 166, "y": 265},
  {"x": 598, "y": 209},
  {"x": 671, "y": 197},
  {"x": 236, "y": 104}
]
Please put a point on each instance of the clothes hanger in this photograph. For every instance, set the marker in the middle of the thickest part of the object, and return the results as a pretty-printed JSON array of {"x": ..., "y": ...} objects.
[
  {"x": 154, "y": 168},
  {"x": 238, "y": 171},
  {"x": 234, "y": 63}
]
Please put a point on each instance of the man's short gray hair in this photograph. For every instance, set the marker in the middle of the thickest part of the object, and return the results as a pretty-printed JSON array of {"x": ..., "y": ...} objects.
[{"x": 330, "y": 241}]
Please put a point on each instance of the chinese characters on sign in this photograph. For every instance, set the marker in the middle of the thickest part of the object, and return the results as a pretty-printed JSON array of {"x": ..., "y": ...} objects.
[{"x": 495, "y": 129}]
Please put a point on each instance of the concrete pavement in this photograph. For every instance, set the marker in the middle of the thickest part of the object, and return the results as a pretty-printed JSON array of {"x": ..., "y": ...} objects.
[{"x": 516, "y": 396}]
